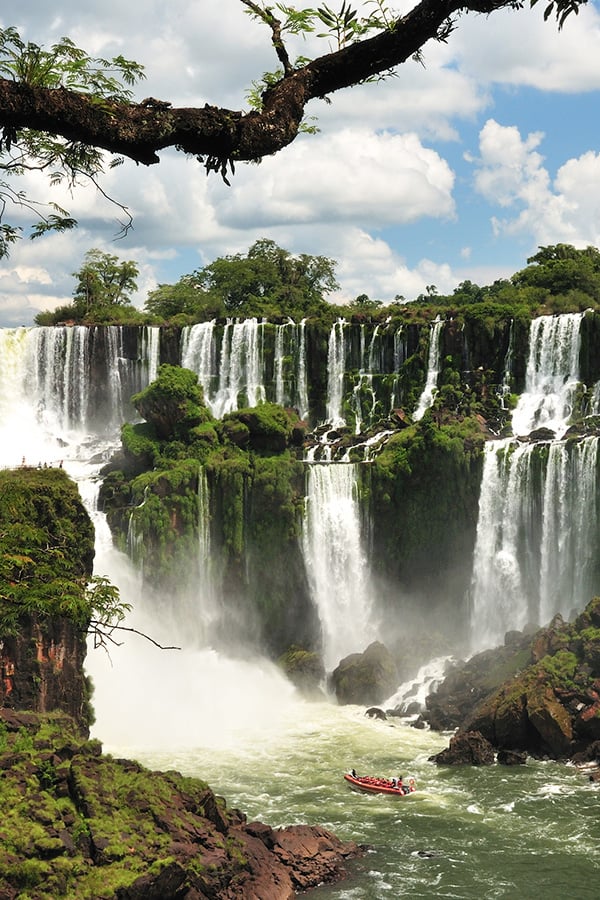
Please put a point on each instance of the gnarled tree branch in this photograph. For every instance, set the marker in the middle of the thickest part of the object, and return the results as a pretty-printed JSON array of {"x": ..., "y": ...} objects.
[{"x": 140, "y": 131}]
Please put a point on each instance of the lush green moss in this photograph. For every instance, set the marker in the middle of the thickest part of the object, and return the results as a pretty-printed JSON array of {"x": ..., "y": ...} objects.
[{"x": 46, "y": 547}]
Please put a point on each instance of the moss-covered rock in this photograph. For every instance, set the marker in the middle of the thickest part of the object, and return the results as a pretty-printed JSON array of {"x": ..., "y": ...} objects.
[
  {"x": 365, "y": 678},
  {"x": 76, "y": 823},
  {"x": 46, "y": 557},
  {"x": 539, "y": 693}
]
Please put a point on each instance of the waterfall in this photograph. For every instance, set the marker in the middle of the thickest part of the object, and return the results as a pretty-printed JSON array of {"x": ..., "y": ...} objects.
[
  {"x": 278, "y": 366},
  {"x": 505, "y": 388},
  {"x": 151, "y": 351},
  {"x": 502, "y": 567},
  {"x": 336, "y": 366},
  {"x": 198, "y": 353},
  {"x": 336, "y": 561},
  {"x": 433, "y": 370},
  {"x": 537, "y": 536},
  {"x": 233, "y": 377},
  {"x": 537, "y": 531},
  {"x": 552, "y": 374},
  {"x": 363, "y": 394},
  {"x": 570, "y": 528},
  {"x": 302, "y": 383}
]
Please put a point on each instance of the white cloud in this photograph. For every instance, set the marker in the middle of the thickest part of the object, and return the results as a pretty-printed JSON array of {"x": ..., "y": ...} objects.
[
  {"x": 520, "y": 49},
  {"x": 350, "y": 175},
  {"x": 512, "y": 174},
  {"x": 369, "y": 169}
]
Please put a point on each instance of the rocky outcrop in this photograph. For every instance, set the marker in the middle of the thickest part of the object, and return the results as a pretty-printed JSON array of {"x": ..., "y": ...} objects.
[
  {"x": 467, "y": 748},
  {"x": 41, "y": 668},
  {"x": 365, "y": 678},
  {"x": 46, "y": 556},
  {"x": 538, "y": 694},
  {"x": 74, "y": 820}
]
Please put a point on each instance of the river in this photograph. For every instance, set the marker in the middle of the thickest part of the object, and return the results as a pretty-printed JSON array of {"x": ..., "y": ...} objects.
[{"x": 524, "y": 832}]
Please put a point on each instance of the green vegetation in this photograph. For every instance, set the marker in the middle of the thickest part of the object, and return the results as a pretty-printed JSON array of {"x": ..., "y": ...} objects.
[
  {"x": 102, "y": 293},
  {"x": 46, "y": 555},
  {"x": 266, "y": 281},
  {"x": 79, "y": 824}
]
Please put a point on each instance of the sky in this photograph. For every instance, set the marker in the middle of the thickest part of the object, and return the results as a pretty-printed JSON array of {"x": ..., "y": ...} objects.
[{"x": 458, "y": 168}]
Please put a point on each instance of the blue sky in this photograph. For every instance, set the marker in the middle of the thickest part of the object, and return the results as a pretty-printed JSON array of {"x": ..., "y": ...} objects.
[{"x": 456, "y": 169}]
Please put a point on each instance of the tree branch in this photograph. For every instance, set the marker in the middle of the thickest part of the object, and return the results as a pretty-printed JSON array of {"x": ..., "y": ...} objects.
[{"x": 218, "y": 136}]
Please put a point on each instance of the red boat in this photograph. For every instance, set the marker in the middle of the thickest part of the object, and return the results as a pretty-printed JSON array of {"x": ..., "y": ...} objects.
[{"x": 370, "y": 784}]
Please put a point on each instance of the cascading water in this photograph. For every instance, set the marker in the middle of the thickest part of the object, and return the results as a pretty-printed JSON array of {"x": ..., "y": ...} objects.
[
  {"x": 231, "y": 364},
  {"x": 336, "y": 367},
  {"x": 433, "y": 370},
  {"x": 537, "y": 530},
  {"x": 552, "y": 374},
  {"x": 335, "y": 559},
  {"x": 140, "y": 692}
]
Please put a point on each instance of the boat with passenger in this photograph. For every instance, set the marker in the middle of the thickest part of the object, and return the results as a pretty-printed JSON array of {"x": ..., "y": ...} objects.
[{"x": 374, "y": 784}]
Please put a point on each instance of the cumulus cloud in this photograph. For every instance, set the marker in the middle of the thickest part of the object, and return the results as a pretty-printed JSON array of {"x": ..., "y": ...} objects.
[{"x": 511, "y": 173}]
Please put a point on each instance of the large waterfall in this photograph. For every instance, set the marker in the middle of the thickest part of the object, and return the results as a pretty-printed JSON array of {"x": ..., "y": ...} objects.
[
  {"x": 233, "y": 369},
  {"x": 538, "y": 529},
  {"x": 337, "y": 566},
  {"x": 552, "y": 374}
]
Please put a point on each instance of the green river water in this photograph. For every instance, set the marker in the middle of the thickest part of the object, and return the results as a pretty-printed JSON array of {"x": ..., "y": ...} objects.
[{"x": 526, "y": 832}]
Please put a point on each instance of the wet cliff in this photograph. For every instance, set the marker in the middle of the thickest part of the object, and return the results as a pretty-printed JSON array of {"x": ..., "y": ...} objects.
[{"x": 46, "y": 558}]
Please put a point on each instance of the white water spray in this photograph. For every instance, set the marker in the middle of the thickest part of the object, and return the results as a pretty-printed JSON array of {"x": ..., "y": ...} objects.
[
  {"x": 538, "y": 530},
  {"x": 336, "y": 367}
]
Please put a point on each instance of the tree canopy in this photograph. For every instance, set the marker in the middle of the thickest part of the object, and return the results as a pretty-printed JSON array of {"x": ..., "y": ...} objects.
[
  {"x": 266, "y": 281},
  {"x": 61, "y": 108},
  {"x": 104, "y": 287}
]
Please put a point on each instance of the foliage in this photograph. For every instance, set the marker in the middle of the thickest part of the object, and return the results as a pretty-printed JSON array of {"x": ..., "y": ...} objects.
[
  {"x": 46, "y": 553},
  {"x": 173, "y": 404},
  {"x": 68, "y": 67},
  {"x": 266, "y": 281}
]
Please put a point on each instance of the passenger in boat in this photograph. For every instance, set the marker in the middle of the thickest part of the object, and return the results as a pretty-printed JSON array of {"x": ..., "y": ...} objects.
[{"x": 353, "y": 773}]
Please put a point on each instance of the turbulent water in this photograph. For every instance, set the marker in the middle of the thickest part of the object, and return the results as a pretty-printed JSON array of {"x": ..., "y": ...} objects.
[{"x": 466, "y": 833}]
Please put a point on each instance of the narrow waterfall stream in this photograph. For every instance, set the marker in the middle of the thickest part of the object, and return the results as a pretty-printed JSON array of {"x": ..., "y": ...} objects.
[{"x": 433, "y": 370}]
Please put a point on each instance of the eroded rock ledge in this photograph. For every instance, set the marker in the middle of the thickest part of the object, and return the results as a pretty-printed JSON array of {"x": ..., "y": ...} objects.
[{"x": 74, "y": 822}]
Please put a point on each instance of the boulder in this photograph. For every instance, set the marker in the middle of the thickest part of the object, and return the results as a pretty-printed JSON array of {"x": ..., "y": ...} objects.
[
  {"x": 467, "y": 748},
  {"x": 511, "y": 757},
  {"x": 365, "y": 678},
  {"x": 550, "y": 720}
]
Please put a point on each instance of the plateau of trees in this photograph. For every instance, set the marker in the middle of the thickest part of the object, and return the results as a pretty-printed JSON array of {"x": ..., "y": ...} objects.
[
  {"x": 265, "y": 281},
  {"x": 69, "y": 115},
  {"x": 270, "y": 282}
]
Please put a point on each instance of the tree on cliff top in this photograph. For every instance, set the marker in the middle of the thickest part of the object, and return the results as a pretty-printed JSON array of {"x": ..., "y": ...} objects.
[
  {"x": 265, "y": 281},
  {"x": 60, "y": 108}
]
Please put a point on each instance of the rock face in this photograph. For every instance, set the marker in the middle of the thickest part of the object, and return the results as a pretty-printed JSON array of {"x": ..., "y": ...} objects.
[
  {"x": 46, "y": 556},
  {"x": 76, "y": 823},
  {"x": 467, "y": 748},
  {"x": 42, "y": 668},
  {"x": 538, "y": 694},
  {"x": 365, "y": 678}
]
